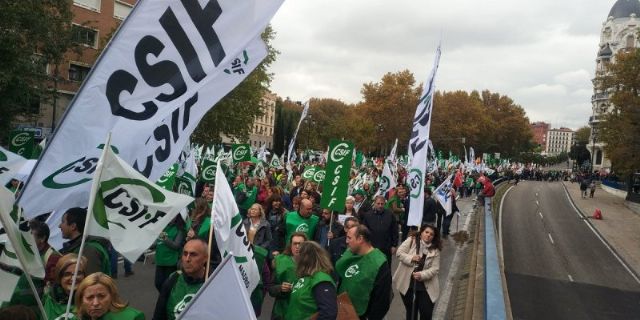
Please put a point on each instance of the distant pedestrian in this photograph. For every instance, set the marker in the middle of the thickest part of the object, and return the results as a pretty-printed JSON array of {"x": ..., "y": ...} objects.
[
  {"x": 584, "y": 184},
  {"x": 592, "y": 188}
]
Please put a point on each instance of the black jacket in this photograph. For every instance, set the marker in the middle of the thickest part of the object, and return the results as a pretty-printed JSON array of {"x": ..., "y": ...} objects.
[
  {"x": 429, "y": 211},
  {"x": 384, "y": 229}
]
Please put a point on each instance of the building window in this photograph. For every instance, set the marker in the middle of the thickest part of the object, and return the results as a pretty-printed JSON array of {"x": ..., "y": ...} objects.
[
  {"x": 86, "y": 36},
  {"x": 89, "y": 4},
  {"x": 630, "y": 42},
  {"x": 78, "y": 72},
  {"x": 121, "y": 9}
]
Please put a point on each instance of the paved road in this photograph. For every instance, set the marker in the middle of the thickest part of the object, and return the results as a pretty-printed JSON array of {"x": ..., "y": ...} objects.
[
  {"x": 141, "y": 294},
  {"x": 555, "y": 266}
]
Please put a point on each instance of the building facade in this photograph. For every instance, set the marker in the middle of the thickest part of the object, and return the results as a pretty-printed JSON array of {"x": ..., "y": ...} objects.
[
  {"x": 559, "y": 141},
  {"x": 94, "y": 21},
  {"x": 619, "y": 33},
  {"x": 540, "y": 130},
  {"x": 262, "y": 132}
]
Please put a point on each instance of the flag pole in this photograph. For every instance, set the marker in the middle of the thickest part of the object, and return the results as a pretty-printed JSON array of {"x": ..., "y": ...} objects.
[
  {"x": 24, "y": 268},
  {"x": 210, "y": 243},
  {"x": 92, "y": 199}
]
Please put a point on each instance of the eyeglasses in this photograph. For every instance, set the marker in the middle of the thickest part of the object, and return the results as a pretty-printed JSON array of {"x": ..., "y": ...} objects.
[{"x": 69, "y": 274}]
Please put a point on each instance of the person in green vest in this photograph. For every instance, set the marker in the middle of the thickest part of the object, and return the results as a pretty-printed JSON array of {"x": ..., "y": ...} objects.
[
  {"x": 315, "y": 290},
  {"x": 284, "y": 276},
  {"x": 55, "y": 300},
  {"x": 95, "y": 248},
  {"x": 250, "y": 191},
  {"x": 301, "y": 221},
  {"x": 364, "y": 275},
  {"x": 169, "y": 249},
  {"x": 200, "y": 220},
  {"x": 181, "y": 287},
  {"x": 98, "y": 299}
]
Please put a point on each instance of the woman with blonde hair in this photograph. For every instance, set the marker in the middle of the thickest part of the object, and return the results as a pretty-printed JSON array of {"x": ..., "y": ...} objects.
[
  {"x": 257, "y": 226},
  {"x": 55, "y": 300},
  {"x": 315, "y": 290},
  {"x": 98, "y": 298}
]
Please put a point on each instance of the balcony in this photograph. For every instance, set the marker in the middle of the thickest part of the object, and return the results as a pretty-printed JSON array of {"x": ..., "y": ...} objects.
[{"x": 600, "y": 96}]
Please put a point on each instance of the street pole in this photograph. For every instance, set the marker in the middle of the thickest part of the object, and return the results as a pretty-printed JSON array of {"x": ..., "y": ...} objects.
[{"x": 593, "y": 152}]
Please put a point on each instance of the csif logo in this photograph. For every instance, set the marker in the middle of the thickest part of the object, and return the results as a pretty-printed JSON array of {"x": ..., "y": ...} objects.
[
  {"x": 240, "y": 152},
  {"x": 180, "y": 306},
  {"x": 319, "y": 175},
  {"x": 299, "y": 284},
  {"x": 303, "y": 227},
  {"x": 385, "y": 183},
  {"x": 209, "y": 173},
  {"x": 339, "y": 152},
  {"x": 352, "y": 271},
  {"x": 415, "y": 183},
  {"x": 74, "y": 173},
  {"x": 20, "y": 139},
  {"x": 309, "y": 173}
]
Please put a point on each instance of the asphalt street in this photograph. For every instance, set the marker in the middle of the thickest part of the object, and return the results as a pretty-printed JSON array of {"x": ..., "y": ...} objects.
[{"x": 555, "y": 265}]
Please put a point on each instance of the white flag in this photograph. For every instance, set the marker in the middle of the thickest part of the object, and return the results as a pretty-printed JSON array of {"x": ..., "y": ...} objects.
[
  {"x": 129, "y": 209},
  {"x": 392, "y": 154},
  {"x": 443, "y": 195},
  {"x": 168, "y": 64},
  {"x": 10, "y": 165},
  {"x": 9, "y": 282},
  {"x": 295, "y": 134},
  {"x": 230, "y": 232},
  {"x": 387, "y": 180},
  {"x": 418, "y": 146},
  {"x": 21, "y": 246},
  {"x": 222, "y": 297}
]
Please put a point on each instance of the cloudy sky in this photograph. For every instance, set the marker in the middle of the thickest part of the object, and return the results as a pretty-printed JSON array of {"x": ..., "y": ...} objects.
[{"x": 540, "y": 53}]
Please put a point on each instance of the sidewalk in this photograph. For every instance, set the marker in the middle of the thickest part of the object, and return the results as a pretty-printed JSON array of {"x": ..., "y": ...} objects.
[{"x": 620, "y": 227}]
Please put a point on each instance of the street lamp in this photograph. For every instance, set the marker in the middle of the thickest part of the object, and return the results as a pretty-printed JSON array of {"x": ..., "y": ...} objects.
[
  {"x": 594, "y": 138},
  {"x": 380, "y": 129}
]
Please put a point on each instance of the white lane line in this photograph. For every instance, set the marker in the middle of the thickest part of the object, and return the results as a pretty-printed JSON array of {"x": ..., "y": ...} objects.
[
  {"x": 550, "y": 238},
  {"x": 540, "y": 213},
  {"x": 570, "y": 278},
  {"x": 536, "y": 194},
  {"x": 613, "y": 252}
]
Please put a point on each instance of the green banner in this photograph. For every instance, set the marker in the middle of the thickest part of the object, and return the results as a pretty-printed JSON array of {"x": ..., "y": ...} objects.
[
  {"x": 309, "y": 172},
  {"x": 168, "y": 179},
  {"x": 319, "y": 175},
  {"x": 336, "y": 182},
  {"x": 22, "y": 143},
  {"x": 241, "y": 152},
  {"x": 208, "y": 171},
  {"x": 186, "y": 184}
]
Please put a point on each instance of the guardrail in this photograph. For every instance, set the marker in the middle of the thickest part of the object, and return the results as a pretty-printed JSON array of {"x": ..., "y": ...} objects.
[{"x": 494, "y": 300}]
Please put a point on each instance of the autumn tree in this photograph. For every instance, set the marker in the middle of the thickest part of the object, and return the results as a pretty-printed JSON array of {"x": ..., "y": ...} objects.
[
  {"x": 234, "y": 114},
  {"x": 32, "y": 35},
  {"x": 620, "y": 129},
  {"x": 579, "y": 152},
  {"x": 388, "y": 106},
  {"x": 286, "y": 119}
]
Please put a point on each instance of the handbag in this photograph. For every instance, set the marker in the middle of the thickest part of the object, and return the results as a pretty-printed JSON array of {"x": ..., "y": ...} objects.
[{"x": 346, "y": 311}]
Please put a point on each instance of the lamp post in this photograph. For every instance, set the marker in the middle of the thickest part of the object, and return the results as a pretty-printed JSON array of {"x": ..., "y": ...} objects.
[
  {"x": 380, "y": 129},
  {"x": 594, "y": 138}
]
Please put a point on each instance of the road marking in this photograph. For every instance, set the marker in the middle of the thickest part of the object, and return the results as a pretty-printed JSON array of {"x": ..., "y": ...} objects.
[
  {"x": 550, "y": 238},
  {"x": 570, "y": 278},
  {"x": 540, "y": 213},
  {"x": 536, "y": 194},
  {"x": 613, "y": 252},
  {"x": 504, "y": 196},
  {"x": 537, "y": 203}
]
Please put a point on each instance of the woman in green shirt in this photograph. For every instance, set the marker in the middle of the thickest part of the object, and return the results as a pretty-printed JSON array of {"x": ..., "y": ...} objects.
[
  {"x": 98, "y": 299},
  {"x": 168, "y": 250},
  {"x": 55, "y": 300},
  {"x": 200, "y": 221},
  {"x": 315, "y": 290},
  {"x": 284, "y": 275}
]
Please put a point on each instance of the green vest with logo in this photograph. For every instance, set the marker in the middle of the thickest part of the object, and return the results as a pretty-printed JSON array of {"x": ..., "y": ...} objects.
[
  {"x": 127, "y": 313},
  {"x": 357, "y": 276},
  {"x": 252, "y": 194},
  {"x": 55, "y": 310},
  {"x": 181, "y": 294},
  {"x": 285, "y": 272},
  {"x": 302, "y": 304},
  {"x": 296, "y": 223},
  {"x": 166, "y": 256}
]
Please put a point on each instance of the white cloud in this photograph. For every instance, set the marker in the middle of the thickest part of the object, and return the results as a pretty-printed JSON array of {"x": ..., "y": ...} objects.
[{"x": 539, "y": 53}]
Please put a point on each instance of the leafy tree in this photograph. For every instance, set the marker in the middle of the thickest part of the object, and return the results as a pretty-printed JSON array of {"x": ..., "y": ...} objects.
[
  {"x": 579, "y": 151},
  {"x": 33, "y": 33},
  {"x": 286, "y": 119},
  {"x": 621, "y": 126},
  {"x": 235, "y": 113}
]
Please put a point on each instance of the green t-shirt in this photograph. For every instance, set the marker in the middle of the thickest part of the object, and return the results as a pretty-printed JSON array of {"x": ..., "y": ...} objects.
[
  {"x": 302, "y": 304},
  {"x": 285, "y": 272},
  {"x": 180, "y": 296},
  {"x": 127, "y": 313},
  {"x": 357, "y": 276},
  {"x": 296, "y": 223},
  {"x": 166, "y": 256}
]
